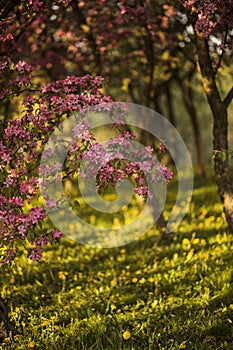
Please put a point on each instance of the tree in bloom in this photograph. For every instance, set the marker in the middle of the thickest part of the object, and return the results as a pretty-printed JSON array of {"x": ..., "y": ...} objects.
[
  {"x": 23, "y": 139},
  {"x": 21, "y": 143}
]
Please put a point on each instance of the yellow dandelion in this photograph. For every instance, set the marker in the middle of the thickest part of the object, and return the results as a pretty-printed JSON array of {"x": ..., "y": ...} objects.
[
  {"x": 185, "y": 241},
  {"x": 12, "y": 280},
  {"x": 142, "y": 280},
  {"x": 151, "y": 279},
  {"x": 32, "y": 344},
  {"x": 45, "y": 323},
  {"x": 154, "y": 303},
  {"x": 113, "y": 307},
  {"x": 186, "y": 245},
  {"x": 203, "y": 242},
  {"x": 126, "y": 335},
  {"x": 62, "y": 275},
  {"x": 113, "y": 282},
  {"x": 134, "y": 280},
  {"x": 119, "y": 259},
  {"x": 6, "y": 340},
  {"x": 196, "y": 241}
]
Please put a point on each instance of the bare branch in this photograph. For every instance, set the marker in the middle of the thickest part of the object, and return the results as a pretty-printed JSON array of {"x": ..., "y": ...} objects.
[
  {"x": 228, "y": 98},
  {"x": 6, "y": 7}
]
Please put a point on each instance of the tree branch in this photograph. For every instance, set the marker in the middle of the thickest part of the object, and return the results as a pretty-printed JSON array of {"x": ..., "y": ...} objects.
[
  {"x": 223, "y": 52},
  {"x": 207, "y": 72},
  {"x": 7, "y": 7},
  {"x": 228, "y": 98}
]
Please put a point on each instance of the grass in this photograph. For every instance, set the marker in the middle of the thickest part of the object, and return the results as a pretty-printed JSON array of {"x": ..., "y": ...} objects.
[{"x": 147, "y": 295}]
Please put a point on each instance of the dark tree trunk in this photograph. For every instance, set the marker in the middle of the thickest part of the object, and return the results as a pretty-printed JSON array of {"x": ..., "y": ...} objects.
[
  {"x": 170, "y": 109},
  {"x": 219, "y": 109},
  {"x": 6, "y": 326},
  {"x": 187, "y": 94}
]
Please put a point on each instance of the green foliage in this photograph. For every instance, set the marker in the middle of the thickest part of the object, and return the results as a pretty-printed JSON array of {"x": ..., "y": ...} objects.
[
  {"x": 147, "y": 295},
  {"x": 223, "y": 155}
]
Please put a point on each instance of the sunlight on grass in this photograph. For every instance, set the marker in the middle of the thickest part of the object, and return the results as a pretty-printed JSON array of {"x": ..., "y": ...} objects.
[{"x": 149, "y": 294}]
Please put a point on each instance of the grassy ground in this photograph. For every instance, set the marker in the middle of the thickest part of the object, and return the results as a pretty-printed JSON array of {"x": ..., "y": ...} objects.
[{"x": 147, "y": 295}]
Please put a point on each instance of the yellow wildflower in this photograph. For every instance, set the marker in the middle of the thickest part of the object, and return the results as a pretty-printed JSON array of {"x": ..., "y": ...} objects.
[
  {"x": 32, "y": 344},
  {"x": 126, "y": 335}
]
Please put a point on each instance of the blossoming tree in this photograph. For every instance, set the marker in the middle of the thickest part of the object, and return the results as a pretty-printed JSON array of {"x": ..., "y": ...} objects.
[
  {"x": 41, "y": 108},
  {"x": 23, "y": 138}
]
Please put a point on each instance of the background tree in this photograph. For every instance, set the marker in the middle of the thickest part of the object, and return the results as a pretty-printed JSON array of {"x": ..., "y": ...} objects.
[{"x": 215, "y": 18}]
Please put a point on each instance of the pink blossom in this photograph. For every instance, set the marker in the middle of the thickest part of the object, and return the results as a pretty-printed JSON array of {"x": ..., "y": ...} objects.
[
  {"x": 50, "y": 203},
  {"x": 42, "y": 241},
  {"x": 82, "y": 130},
  {"x": 203, "y": 25},
  {"x": 141, "y": 191},
  {"x": 162, "y": 148},
  {"x": 141, "y": 180},
  {"x": 36, "y": 5},
  {"x": 22, "y": 229},
  {"x": 56, "y": 234},
  {"x": 23, "y": 66},
  {"x": 65, "y": 2},
  {"x": 29, "y": 100},
  {"x": 16, "y": 201},
  {"x": 4, "y": 153},
  {"x": 35, "y": 215},
  {"x": 145, "y": 166},
  {"x": 3, "y": 200},
  {"x": 128, "y": 135},
  {"x": 10, "y": 254},
  {"x": 164, "y": 173},
  {"x": 29, "y": 187},
  {"x": 10, "y": 181},
  {"x": 36, "y": 254},
  {"x": 131, "y": 168}
]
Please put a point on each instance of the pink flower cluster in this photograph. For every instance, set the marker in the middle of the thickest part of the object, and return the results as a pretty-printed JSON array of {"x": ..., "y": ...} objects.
[
  {"x": 20, "y": 150},
  {"x": 14, "y": 78},
  {"x": 115, "y": 163},
  {"x": 212, "y": 15}
]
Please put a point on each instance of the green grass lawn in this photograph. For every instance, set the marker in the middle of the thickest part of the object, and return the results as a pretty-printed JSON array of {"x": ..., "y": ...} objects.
[{"x": 147, "y": 295}]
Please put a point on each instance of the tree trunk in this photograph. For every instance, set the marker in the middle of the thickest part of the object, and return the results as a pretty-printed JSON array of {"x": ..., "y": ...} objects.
[
  {"x": 220, "y": 128},
  {"x": 170, "y": 108},
  {"x": 6, "y": 327},
  {"x": 192, "y": 112}
]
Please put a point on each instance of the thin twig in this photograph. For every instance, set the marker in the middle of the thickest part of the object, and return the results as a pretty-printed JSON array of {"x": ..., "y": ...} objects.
[{"x": 223, "y": 51}]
